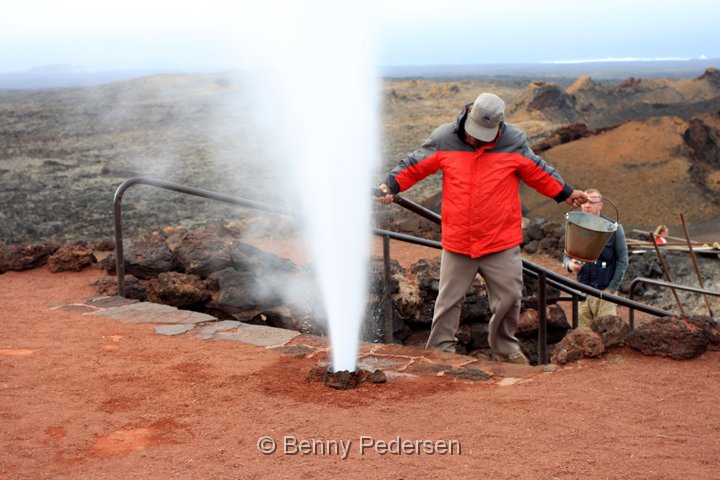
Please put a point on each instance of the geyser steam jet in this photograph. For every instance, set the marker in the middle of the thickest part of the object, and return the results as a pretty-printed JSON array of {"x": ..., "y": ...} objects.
[{"x": 317, "y": 105}]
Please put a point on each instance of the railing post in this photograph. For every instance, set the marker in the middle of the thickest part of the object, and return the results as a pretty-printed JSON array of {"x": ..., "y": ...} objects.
[
  {"x": 631, "y": 294},
  {"x": 575, "y": 311},
  {"x": 119, "y": 251},
  {"x": 542, "y": 319},
  {"x": 387, "y": 298}
]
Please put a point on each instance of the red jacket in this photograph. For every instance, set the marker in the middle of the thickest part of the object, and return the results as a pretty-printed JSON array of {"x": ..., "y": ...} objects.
[{"x": 481, "y": 210}]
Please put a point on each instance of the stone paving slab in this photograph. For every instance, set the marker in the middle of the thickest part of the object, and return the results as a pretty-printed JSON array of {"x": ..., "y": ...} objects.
[
  {"x": 395, "y": 360},
  {"x": 396, "y": 350},
  {"x": 371, "y": 363},
  {"x": 108, "y": 302},
  {"x": 314, "y": 341},
  {"x": 171, "y": 330},
  {"x": 227, "y": 324},
  {"x": 258, "y": 335},
  {"x": 209, "y": 331},
  {"x": 147, "y": 312}
]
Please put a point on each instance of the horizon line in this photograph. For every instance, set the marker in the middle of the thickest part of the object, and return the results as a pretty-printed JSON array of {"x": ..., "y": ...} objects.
[
  {"x": 83, "y": 70},
  {"x": 628, "y": 59}
]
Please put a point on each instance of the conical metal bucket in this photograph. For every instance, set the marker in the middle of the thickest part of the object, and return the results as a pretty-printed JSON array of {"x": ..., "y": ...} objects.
[{"x": 587, "y": 234}]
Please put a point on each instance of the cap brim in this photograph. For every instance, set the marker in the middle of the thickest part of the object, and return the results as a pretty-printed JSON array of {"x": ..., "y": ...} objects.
[{"x": 481, "y": 133}]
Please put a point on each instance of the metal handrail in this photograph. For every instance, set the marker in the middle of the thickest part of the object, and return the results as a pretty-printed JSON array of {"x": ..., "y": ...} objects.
[
  {"x": 556, "y": 284},
  {"x": 660, "y": 283},
  {"x": 154, "y": 182},
  {"x": 564, "y": 281},
  {"x": 528, "y": 267},
  {"x": 545, "y": 276}
]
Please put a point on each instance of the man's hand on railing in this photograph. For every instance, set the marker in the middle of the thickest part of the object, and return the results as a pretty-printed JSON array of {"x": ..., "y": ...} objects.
[{"x": 384, "y": 197}]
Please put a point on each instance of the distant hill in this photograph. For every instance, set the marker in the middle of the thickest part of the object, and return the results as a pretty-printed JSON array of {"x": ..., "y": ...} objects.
[
  {"x": 544, "y": 105},
  {"x": 68, "y": 76},
  {"x": 646, "y": 168},
  {"x": 600, "y": 70}
]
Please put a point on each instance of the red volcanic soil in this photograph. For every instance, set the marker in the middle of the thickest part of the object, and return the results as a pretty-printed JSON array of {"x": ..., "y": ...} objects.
[{"x": 90, "y": 397}]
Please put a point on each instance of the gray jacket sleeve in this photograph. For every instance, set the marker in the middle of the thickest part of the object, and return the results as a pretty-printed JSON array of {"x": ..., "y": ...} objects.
[
  {"x": 519, "y": 143},
  {"x": 621, "y": 262},
  {"x": 426, "y": 149}
]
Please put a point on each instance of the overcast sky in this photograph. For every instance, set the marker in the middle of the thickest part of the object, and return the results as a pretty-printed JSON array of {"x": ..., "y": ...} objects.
[{"x": 147, "y": 34}]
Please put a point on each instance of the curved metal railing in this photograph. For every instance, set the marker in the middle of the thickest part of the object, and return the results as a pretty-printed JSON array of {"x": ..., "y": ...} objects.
[
  {"x": 154, "y": 182},
  {"x": 545, "y": 277}
]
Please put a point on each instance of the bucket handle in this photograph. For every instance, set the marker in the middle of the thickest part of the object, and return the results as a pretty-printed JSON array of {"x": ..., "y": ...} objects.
[{"x": 617, "y": 213}]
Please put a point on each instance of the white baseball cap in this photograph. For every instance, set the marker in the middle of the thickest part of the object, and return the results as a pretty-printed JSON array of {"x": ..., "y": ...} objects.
[{"x": 484, "y": 119}]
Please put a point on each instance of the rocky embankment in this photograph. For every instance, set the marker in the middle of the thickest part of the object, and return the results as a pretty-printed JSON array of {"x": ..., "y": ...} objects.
[{"x": 213, "y": 270}]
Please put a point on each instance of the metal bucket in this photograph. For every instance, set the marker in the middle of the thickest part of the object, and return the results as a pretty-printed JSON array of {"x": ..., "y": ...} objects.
[{"x": 587, "y": 234}]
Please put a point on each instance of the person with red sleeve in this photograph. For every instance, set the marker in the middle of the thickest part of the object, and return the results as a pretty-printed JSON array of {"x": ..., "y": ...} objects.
[
  {"x": 660, "y": 234},
  {"x": 482, "y": 159}
]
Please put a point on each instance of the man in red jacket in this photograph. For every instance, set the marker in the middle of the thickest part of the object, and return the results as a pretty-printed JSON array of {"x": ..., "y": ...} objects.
[{"x": 483, "y": 160}]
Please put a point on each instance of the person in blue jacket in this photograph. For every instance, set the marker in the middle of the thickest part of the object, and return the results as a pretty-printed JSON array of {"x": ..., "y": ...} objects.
[{"x": 604, "y": 274}]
